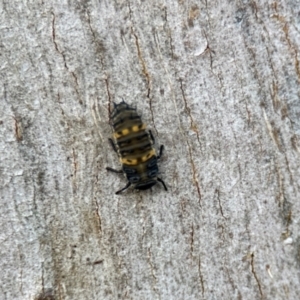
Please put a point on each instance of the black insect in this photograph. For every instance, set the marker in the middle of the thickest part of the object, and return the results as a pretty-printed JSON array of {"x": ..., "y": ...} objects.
[{"x": 134, "y": 145}]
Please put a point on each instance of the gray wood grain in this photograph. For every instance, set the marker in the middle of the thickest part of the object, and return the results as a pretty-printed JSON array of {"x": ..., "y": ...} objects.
[{"x": 218, "y": 84}]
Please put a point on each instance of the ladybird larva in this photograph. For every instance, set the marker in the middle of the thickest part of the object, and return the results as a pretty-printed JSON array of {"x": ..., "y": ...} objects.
[{"x": 134, "y": 145}]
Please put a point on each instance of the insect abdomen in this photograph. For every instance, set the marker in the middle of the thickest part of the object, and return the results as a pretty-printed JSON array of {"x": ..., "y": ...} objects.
[
  {"x": 134, "y": 145},
  {"x": 133, "y": 142}
]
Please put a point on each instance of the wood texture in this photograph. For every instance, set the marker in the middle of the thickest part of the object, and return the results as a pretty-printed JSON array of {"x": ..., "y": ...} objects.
[{"x": 218, "y": 83}]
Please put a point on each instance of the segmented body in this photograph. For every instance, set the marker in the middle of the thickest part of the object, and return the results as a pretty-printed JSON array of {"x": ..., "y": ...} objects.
[{"x": 135, "y": 147}]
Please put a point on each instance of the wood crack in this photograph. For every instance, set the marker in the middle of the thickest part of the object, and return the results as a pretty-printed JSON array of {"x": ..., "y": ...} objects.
[
  {"x": 72, "y": 73},
  {"x": 188, "y": 110},
  {"x": 201, "y": 277},
  {"x": 255, "y": 275}
]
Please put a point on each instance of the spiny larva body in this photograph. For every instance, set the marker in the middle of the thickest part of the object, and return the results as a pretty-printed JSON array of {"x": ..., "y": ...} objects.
[{"x": 135, "y": 147}]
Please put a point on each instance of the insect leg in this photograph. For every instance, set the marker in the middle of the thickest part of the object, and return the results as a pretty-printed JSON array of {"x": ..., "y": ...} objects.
[
  {"x": 161, "y": 181},
  {"x": 113, "y": 170},
  {"x": 124, "y": 188},
  {"x": 161, "y": 149},
  {"x": 113, "y": 145},
  {"x": 151, "y": 136}
]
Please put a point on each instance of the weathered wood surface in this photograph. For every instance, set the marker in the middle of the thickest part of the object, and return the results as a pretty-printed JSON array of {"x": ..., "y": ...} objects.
[{"x": 218, "y": 83}]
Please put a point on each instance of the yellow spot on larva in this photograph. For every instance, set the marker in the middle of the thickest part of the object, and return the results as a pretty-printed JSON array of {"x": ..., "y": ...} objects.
[
  {"x": 125, "y": 131},
  {"x": 121, "y": 133},
  {"x": 149, "y": 155},
  {"x": 117, "y": 135},
  {"x": 135, "y": 128},
  {"x": 130, "y": 162}
]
